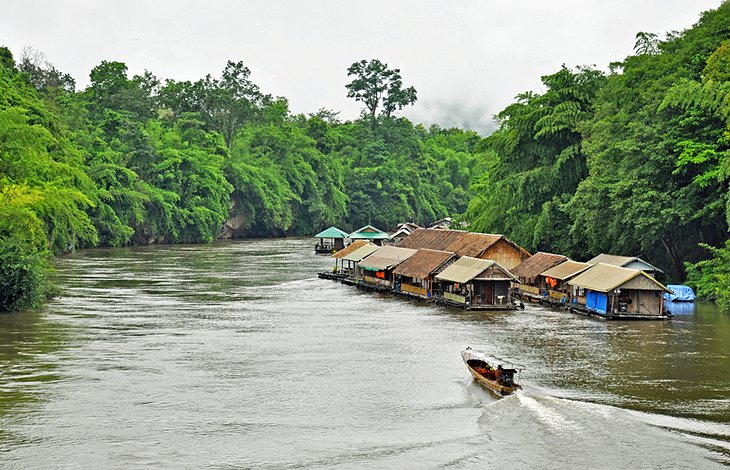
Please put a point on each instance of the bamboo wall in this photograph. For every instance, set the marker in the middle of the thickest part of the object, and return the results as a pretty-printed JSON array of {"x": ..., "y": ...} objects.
[{"x": 505, "y": 254}]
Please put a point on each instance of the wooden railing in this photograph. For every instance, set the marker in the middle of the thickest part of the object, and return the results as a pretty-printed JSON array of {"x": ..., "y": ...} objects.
[
  {"x": 375, "y": 280},
  {"x": 455, "y": 298},
  {"x": 557, "y": 295},
  {"x": 530, "y": 290},
  {"x": 413, "y": 289}
]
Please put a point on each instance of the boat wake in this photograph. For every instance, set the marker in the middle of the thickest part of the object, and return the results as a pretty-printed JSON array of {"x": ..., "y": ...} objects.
[{"x": 563, "y": 432}]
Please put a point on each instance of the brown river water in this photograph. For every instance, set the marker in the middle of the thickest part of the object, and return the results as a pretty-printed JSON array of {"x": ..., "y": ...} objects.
[{"x": 235, "y": 355}]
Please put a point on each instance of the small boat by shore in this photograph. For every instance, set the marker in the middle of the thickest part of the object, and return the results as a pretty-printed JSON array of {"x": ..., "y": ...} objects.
[{"x": 499, "y": 380}]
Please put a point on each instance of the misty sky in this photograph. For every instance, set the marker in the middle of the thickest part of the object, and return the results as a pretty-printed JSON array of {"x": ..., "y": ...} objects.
[{"x": 467, "y": 59}]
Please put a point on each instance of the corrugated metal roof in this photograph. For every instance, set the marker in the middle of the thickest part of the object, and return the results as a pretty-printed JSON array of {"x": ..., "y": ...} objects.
[
  {"x": 624, "y": 261},
  {"x": 606, "y": 277},
  {"x": 361, "y": 253},
  {"x": 423, "y": 263},
  {"x": 456, "y": 241},
  {"x": 566, "y": 270},
  {"x": 386, "y": 257},
  {"x": 467, "y": 268},
  {"x": 332, "y": 232},
  {"x": 350, "y": 248},
  {"x": 536, "y": 264}
]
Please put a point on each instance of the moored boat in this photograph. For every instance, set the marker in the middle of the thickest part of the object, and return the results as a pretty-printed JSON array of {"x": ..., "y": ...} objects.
[{"x": 499, "y": 380}]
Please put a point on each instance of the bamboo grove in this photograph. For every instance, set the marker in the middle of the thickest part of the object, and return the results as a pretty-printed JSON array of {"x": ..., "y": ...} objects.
[{"x": 631, "y": 161}]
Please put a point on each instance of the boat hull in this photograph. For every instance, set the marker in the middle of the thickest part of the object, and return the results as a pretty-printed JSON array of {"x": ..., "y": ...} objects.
[
  {"x": 500, "y": 389},
  {"x": 492, "y": 385}
]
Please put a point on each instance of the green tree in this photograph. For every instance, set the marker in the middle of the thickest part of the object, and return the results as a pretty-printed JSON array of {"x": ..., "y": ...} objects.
[{"x": 377, "y": 86}]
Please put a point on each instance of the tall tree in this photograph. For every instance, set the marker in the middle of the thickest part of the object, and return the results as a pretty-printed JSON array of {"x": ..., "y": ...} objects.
[{"x": 377, "y": 86}]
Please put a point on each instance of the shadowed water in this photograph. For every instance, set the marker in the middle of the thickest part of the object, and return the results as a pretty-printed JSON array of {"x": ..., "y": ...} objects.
[{"x": 236, "y": 356}]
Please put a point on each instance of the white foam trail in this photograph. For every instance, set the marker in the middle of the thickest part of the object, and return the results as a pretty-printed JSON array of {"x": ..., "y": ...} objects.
[{"x": 548, "y": 416}]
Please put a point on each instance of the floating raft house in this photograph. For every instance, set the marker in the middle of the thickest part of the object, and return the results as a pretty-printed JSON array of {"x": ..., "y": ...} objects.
[
  {"x": 332, "y": 239},
  {"x": 475, "y": 284},
  {"x": 618, "y": 293}
]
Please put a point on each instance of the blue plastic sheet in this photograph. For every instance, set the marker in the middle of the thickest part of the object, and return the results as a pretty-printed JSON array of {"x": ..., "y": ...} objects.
[{"x": 681, "y": 293}]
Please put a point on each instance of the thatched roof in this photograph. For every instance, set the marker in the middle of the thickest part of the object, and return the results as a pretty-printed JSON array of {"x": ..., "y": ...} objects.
[
  {"x": 386, "y": 257},
  {"x": 536, "y": 264},
  {"x": 605, "y": 277},
  {"x": 456, "y": 241},
  {"x": 350, "y": 248},
  {"x": 423, "y": 263},
  {"x": 467, "y": 268},
  {"x": 566, "y": 270}
]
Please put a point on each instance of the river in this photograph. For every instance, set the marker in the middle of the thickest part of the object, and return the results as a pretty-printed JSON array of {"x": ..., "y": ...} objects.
[{"x": 235, "y": 355}]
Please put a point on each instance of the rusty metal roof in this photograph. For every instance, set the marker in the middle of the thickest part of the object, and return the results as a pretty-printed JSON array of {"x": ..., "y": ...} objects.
[
  {"x": 467, "y": 268},
  {"x": 566, "y": 270},
  {"x": 536, "y": 264},
  {"x": 606, "y": 277},
  {"x": 423, "y": 263},
  {"x": 386, "y": 257},
  {"x": 456, "y": 241},
  {"x": 350, "y": 248}
]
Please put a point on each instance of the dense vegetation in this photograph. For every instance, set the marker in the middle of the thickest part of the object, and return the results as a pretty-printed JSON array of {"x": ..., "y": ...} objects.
[
  {"x": 138, "y": 160},
  {"x": 633, "y": 161}
]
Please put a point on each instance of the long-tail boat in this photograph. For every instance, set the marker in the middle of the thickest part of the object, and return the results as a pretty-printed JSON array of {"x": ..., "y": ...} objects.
[{"x": 499, "y": 380}]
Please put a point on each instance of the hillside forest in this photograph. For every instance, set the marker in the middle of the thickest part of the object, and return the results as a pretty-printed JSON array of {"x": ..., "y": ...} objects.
[{"x": 629, "y": 160}]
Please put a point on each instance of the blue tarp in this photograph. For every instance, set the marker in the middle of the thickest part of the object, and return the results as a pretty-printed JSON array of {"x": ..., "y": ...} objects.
[
  {"x": 681, "y": 293},
  {"x": 597, "y": 301}
]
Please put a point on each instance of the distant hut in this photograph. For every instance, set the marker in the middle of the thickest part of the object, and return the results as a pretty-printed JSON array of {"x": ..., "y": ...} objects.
[
  {"x": 415, "y": 276},
  {"x": 615, "y": 292},
  {"x": 474, "y": 283},
  {"x": 369, "y": 233},
  {"x": 556, "y": 279},
  {"x": 332, "y": 239},
  {"x": 476, "y": 245},
  {"x": 441, "y": 224},
  {"x": 401, "y": 231},
  {"x": 531, "y": 284},
  {"x": 346, "y": 259},
  {"x": 377, "y": 269},
  {"x": 630, "y": 262}
]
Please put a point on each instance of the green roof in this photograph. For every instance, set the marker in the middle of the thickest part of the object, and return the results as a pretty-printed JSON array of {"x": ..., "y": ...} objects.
[
  {"x": 369, "y": 232},
  {"x": 332, "y": 232}
]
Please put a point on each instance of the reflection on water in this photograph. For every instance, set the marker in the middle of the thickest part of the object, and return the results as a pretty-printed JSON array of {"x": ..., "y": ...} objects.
[{"x": 236, "y": 355}]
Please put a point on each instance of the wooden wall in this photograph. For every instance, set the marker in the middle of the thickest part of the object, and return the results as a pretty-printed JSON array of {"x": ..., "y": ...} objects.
[{"x": 505, "y": 254}]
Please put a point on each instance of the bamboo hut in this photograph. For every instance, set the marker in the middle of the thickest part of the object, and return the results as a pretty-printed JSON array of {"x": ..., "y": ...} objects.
[
  {"x": 614, "y": 292},
  {"x": 475, "y": 284},
  {"x": 415, "y": 276},
  {"x": 376, "y": 270},
  {"x": 556, "y": 279},
  {"x": 330, "y": 240},
  {"x": 531, "y": 284},
  {"x": 497, "y": 248},
  {"x": 349, "y": 256}
]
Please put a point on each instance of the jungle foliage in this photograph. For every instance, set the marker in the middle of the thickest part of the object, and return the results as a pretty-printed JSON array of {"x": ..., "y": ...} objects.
[
  {"x": 630, "y": 161},
  {"x": 139, "y": 160},
  {"x": 634, "y": 161}
]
